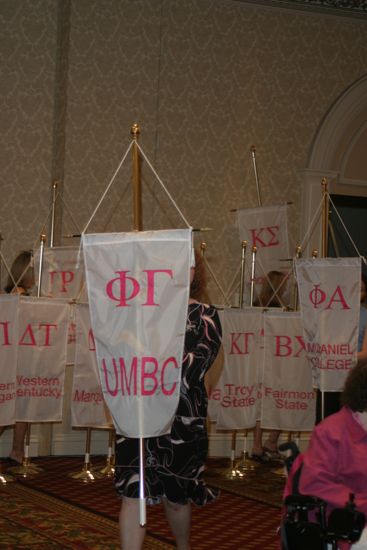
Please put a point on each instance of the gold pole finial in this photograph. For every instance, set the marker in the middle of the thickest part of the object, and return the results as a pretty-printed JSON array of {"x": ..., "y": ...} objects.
[
  {"x": 253, "y": 149},
  {"x": 135, "y": 131},
  {"x": 314, "y": 253},
  {"x": 202, "y": 248},
  {"x": 43, "y": 238}
]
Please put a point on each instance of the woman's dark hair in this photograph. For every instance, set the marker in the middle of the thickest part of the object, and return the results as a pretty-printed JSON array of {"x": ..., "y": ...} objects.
[
  {"x": 272, "y": 289},
  {"x": 355, "y": 388},
  {"x": 22, "y": 272},
  {"x": 198, "y": 286}
]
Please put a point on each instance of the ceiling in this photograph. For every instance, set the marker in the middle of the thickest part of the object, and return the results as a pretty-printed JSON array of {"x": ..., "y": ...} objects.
[{"x": 351, "y": 8}]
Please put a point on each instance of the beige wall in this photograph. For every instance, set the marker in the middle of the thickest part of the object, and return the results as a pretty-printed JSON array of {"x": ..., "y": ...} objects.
[{"x": 205, "y": 79}]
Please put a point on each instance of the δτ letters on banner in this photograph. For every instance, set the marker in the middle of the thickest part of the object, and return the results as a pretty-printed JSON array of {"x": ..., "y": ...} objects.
[{"x": 42, "y": 335}]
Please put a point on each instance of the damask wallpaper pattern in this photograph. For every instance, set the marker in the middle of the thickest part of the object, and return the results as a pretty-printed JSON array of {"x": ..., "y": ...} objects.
[{"x": 205, "y": 80}]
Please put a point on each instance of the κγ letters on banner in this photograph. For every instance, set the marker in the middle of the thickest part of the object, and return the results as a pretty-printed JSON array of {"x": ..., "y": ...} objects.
[
  {"x": 235, "y": 401},
  {"x": 138, "y": 288}
]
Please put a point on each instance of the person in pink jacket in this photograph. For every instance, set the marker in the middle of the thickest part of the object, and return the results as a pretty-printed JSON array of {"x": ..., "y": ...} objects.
[{"x": 335, "y": 463}]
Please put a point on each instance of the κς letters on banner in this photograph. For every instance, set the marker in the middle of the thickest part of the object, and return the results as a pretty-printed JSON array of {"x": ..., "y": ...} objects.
[{"x": 266, "y": 229}]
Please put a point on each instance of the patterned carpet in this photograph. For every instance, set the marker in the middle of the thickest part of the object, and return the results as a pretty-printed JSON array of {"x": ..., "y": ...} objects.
[{"x": 54, "y": 510}]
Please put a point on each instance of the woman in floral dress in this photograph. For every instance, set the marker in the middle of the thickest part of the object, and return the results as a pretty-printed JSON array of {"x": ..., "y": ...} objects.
[{"x": 174, "y": 463}]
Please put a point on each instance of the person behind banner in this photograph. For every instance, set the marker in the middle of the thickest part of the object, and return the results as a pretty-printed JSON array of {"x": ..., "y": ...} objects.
[
  {"x": 334, "y": 464},
  {"x": 20, "y": 281},
  {"x": 174, "y": 463},
  {"x": 273, "y": 289}
]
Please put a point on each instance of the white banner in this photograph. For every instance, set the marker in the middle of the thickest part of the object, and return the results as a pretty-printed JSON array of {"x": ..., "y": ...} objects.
[
  {"x": 88, "y": 407},
  {"x": 288, "y": 399},
  {"x": 9, "y": 306},
  {"x": 329, "y": 295},
  {"x": 62, "y": 272},
  {"x": 41, "y": 364},
  {"x": 138, "y": 287},
  {"x": 63, "y": 277},
  {"x": 234, "y": 403},
  {"x": 266, "y": 228}
]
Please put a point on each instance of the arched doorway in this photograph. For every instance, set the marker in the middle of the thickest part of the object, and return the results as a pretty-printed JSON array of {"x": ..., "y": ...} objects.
[{"x": 339, "y": 153}]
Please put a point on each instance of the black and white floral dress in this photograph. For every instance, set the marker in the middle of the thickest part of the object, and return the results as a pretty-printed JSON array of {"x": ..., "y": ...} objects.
[{"x": 174, "y": 463}]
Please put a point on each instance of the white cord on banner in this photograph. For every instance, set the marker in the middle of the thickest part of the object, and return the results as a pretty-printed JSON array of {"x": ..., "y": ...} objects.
[
  {"x": 8, "y": 269},
  {"x": 287, "y": 275},
  {"x": 232, "y": 286},
  {"x": 228, "y": 302},
  {"x": 310, "y": 227},
  {"x": 69, "y": 212},
  {"x": 15, "y": 283},
  {"x": 162, "y": 184},
  {"x": 108, "y": 186}
]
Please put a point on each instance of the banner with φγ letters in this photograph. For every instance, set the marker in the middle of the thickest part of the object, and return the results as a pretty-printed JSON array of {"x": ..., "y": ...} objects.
[{"x": 138, "y": 288}]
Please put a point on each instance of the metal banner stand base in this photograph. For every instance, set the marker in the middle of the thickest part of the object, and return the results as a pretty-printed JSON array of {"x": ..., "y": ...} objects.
[
  {"x": 6, "y": 478},
  {"x": 233, "y": 472},
  {"x": 244, "y": 465},
  {"x": 87, "y": 474},
  {"x": 26, "y": 469},
  {"x": 109, "y": 469}
]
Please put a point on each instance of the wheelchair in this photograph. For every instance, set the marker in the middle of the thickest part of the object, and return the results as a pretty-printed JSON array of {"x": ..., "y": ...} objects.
[{"x": 305, "y": 525}]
